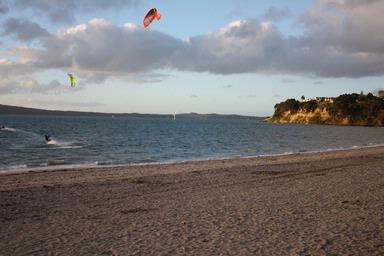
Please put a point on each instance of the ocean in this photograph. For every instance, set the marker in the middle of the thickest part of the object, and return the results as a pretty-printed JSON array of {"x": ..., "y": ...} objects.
[{"x": 95, "y": 141}]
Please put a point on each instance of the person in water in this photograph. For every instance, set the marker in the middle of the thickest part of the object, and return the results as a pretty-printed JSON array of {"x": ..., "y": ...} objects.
[
  {"x": 2, "y": 127},
  {"x": 47, "y": 138}
]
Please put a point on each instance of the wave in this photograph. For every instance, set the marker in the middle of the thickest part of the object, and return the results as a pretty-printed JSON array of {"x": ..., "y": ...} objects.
[
  {"x": 15, "y": 167},
  {"x": 60, "y": 164},
  {"x": 63, "y": 144},
  {"x": 8, "y": 129},
  {"x": 52, "y": 163},
  {"x": 68, "y": 147}
]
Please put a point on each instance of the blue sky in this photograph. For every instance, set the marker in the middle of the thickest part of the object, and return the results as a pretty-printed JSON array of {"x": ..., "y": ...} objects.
[{"x": 229, "y": 57}]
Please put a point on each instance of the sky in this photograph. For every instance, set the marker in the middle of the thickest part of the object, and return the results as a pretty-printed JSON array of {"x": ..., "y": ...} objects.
[{"x": 219, "y": 56}]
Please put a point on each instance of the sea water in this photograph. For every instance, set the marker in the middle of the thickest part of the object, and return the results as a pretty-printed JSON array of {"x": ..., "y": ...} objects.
[{"x": 92, "y": 141}]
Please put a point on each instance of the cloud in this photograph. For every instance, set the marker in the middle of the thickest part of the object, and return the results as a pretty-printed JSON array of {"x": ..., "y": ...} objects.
[
  {"x": 348, "y": 3},
  {"x": 104, "y": 48},
  {"x": 150, "y": 78},
  {"x": 277, "y": 14},
  {"x": 53, "y": 87},
  {"x": 3, "y": 8},
  {"x": 340, "y": 39},
  {"x": 12, "y": 68},
  {"x": 346, "y": 26},
  {"x": 30, "y": 85},
  {"x": 99, "y": 50},
  {"x": 240, "y": 47},
  {"x": 24, "y": 30},
  {"x": 64, "y": 11}
]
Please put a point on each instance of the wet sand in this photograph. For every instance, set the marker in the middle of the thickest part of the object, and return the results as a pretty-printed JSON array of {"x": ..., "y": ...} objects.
[{"x": 310, "y": 204}]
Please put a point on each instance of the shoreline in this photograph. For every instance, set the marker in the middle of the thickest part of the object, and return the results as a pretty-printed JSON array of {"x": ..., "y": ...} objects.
[
  {"x": 101, "y": 173},
  {"x": 53, "y": 168},
  {"x": 328, "y": 203}
]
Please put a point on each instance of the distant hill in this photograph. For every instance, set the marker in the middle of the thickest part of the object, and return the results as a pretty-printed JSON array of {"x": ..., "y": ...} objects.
[
  {"x": 14, "y": 110},
  {"x": 347, "y": 109}
]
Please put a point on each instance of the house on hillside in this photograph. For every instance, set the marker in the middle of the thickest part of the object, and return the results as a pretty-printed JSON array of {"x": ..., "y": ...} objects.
[
  {"x": 380, "y": 93},
  {"x": 320, "y": 99},
  {"x": 326, "y": 99}
]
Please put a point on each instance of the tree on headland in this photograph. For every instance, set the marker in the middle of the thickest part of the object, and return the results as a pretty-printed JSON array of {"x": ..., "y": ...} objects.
[
  {"x": 291, "y": 105},
  {"x": 353, "y": 109}
]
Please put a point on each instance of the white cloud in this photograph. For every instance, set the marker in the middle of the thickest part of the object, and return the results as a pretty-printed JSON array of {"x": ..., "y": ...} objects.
[
  {"x": 26, "y": 84},
  {"x": 241, "y": 47},
  {"x": 100, "y": 49},
  {"x": 130, "y": 26},
  {"x": 26, "y": 55},
  {"x": 340, "y": 39}
]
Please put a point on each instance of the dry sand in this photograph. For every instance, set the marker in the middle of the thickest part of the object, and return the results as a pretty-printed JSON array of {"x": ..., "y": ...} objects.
[{"x": 310, "y": 204}]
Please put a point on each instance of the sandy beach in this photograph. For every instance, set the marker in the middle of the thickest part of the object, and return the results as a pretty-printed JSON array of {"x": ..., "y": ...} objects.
[{"x": 328, "y": 203}]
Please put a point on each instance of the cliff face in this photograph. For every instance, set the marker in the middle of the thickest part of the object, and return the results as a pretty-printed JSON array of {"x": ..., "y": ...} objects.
[
  {"x": 318, "y": 116},
  {"x": 347, "y": 109}
]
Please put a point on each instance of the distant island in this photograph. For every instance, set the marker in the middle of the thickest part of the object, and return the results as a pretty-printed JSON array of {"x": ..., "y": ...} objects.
[
  {"x": 14, "y": 110},
  {"x": 347, "y": 109}
]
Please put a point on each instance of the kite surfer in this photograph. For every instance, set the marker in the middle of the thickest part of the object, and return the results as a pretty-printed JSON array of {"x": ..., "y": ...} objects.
[{"x": 47, "y": 138}]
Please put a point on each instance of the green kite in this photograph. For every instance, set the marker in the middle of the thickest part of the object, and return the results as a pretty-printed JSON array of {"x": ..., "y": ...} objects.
[{"x": 73, "y": 80}]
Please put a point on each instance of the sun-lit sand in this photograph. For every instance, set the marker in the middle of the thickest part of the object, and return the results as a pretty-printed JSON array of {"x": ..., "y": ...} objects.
[{"x": 310, "y": 204}]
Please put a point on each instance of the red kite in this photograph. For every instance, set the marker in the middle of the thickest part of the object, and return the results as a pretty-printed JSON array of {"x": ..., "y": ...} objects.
[{"x": 151, "y": 15}]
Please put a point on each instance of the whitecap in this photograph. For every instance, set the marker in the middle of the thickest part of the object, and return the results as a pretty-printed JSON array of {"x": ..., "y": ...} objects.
[{"x": 8, "y": 129}]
